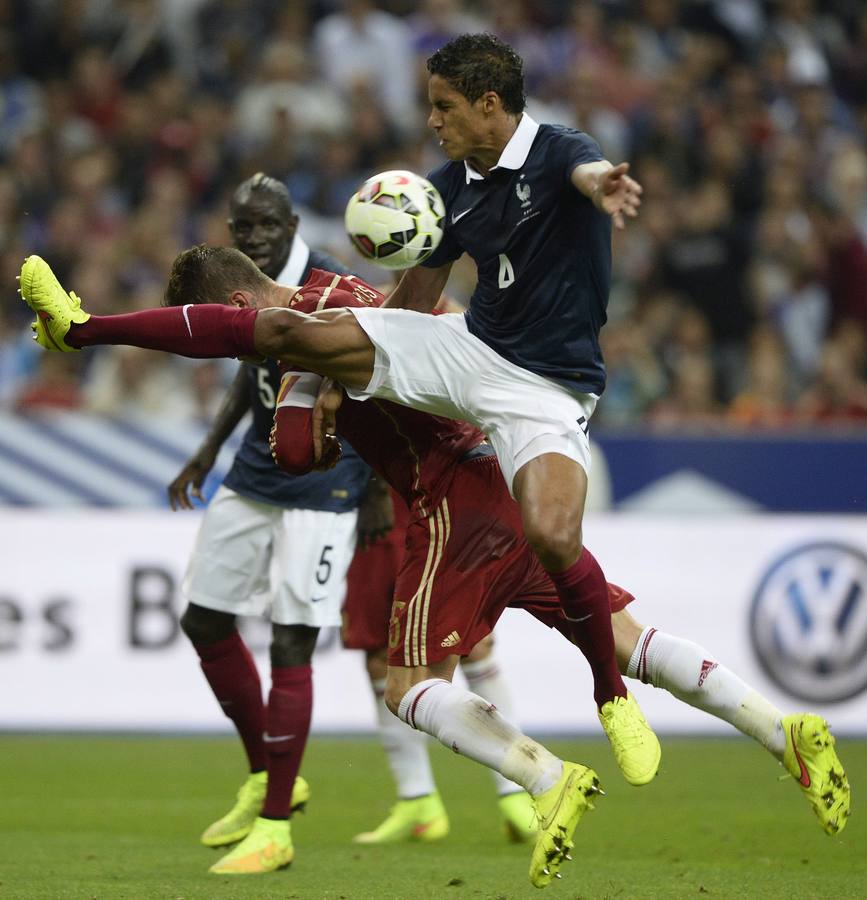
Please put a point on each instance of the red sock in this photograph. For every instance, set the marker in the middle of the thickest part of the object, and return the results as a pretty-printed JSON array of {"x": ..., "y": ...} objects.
[
  {"x": 201, "y": 331},
  {"x": 584, "y": 599},
  {"x": 234, "y": 679},
  {"x": 290, "y": 705}
]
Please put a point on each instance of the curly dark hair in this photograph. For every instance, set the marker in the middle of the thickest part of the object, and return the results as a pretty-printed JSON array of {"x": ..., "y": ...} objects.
[
  {"x": 206, "y": 274},
  {"x": 475, "y": 63}
]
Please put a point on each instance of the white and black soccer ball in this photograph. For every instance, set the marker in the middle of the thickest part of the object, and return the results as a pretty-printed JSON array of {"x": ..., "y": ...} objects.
[{"x": 395, "y": 219}]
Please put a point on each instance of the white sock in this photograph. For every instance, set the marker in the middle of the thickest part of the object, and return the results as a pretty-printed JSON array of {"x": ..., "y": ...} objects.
[
  {"x": 405, "y": 748},
  {"x": 692, "y": 675},
  {"x": 469, "y": 725},
  {"x": 485, "y": 678}
]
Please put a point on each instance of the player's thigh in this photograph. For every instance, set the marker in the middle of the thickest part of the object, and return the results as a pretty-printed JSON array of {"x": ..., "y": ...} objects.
[
  {"x": 463, "y": 565},
  {"x": 312, "y": 553},
  {"x": 228, "y": 570},
  {"x": 526, "y": 417},
  {"x": 551, "y": 490}
]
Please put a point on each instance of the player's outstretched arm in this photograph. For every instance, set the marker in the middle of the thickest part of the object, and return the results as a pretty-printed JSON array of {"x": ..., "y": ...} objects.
[
  {"x": 419, "y": 289},
  {"x": 329, "y": 342},
  {"x": 188, "y": 482},
  {"x": 610, "y": 188}
]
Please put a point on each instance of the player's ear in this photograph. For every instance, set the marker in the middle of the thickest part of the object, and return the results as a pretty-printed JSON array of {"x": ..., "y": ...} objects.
[
  {"x": 490, "y": 101},
  {"x": 241, "y": 299}
]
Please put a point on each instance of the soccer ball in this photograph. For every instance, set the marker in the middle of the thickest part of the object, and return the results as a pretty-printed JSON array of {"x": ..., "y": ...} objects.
[{"x": 395, "y": 219}]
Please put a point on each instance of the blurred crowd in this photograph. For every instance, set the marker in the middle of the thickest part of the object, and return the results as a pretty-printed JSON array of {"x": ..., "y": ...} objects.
[{"x": 740, "y": 293}]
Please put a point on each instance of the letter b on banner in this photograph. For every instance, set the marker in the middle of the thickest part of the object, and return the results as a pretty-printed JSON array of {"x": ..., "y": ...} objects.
[{"x": 153, "y": 623}]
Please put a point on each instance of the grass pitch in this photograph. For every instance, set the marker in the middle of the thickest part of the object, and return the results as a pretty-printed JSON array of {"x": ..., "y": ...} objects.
[{"x": 113, "y": 818}]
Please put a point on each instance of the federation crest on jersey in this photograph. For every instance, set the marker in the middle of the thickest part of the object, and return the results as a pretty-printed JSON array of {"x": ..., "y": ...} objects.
[
  {"x": 522, "y": 189},
  {"x": 808, "y": 622}
]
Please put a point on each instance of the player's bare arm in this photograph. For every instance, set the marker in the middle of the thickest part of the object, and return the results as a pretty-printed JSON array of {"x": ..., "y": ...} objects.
[
  {"x": 188, "y": 482},
  {"x": 419, "y": 289},
  {"x": 610, "y": 188},
  {"x": 329, "y": 342}
]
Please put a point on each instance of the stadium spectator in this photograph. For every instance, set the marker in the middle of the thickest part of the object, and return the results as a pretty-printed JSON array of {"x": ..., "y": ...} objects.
[
  {"x": 362, "y": 43},
  {"x": 838, "y": 395},
  {"x": 764, "y": 401}
]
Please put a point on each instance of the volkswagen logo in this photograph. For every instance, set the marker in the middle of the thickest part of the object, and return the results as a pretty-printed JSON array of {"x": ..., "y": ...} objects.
[{"x": 808, "y": 622}]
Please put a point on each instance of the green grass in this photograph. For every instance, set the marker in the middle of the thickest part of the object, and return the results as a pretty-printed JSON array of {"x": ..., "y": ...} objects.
[{"x": 114, "y": 817}]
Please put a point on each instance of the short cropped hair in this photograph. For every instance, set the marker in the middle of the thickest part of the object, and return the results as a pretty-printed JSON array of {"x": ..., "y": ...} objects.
[
  {"x": 476, "y": 63},
  {"x": 206, "y": 274},
  {"x": 263, "y": 184}
]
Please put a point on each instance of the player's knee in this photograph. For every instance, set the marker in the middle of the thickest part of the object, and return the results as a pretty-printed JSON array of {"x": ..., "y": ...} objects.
[
  {"x": 558, "y": 545},
  {"x": 292, "y": 645},
  {"x": 206, "y": 626},
  {"x": 395, "y": 690},
  {"x": 481, "y": 651}
]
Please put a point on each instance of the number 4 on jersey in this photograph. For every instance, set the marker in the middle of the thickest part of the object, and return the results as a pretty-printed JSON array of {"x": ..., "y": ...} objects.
[{"x": 507, "y": 273}]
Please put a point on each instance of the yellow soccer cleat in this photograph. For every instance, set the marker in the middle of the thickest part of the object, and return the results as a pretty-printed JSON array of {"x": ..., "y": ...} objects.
[
  {"x": 558, "y": 812},
  {"x": 55, "y": 310},
  {"x": 238, "y": 821},
  {"x": 636, "y": 748},
  {"x": 812, "y": 761},
  {"x": 266, "y": 848},
  {"x": 420, "y": 819},
  {"x": 519, "y": 817}
]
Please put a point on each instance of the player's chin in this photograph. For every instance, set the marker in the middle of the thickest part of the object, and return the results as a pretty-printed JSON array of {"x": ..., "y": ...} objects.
[{"x": 451, "y": 150}]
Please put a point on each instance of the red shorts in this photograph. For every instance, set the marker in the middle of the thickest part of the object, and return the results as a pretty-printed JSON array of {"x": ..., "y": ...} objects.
[
  {"x": 463, "y": 565},
  {"x": 370, "y": 586}
]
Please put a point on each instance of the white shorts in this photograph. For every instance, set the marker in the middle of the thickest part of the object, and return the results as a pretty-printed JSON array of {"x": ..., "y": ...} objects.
[
  {"x": 250, "y": 556},
  {"x": 434, "y": 364}
]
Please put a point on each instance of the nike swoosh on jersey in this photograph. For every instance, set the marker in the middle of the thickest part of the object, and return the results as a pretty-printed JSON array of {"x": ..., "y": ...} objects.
[
  {"x": 456, "y": 217},
  {"x": 272, "y": 739}
]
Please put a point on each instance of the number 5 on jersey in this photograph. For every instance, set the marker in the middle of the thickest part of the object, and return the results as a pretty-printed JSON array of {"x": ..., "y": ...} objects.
[
  {"x": 266, "y": 392},
  {"x": 394, "y": 624}
]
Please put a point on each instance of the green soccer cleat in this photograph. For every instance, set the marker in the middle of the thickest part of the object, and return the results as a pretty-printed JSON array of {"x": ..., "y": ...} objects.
[
  {"x": 55, "y": 310},
  {"x": 420, "y": 819},
  {"x": 266, "y": 848},
  {"x": 812, "y": 761},
  {"x": 519, "y": 817},
  {"x": 558, "y": 812},
  {"x": 636, "y": 748},
  {"x": 238, "y": 821}
]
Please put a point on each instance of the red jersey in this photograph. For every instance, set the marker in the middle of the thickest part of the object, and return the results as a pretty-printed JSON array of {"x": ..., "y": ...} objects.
[{"x": 413, "y": 451}]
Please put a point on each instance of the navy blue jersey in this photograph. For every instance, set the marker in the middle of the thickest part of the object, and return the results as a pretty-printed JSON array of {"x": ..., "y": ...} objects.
[
  {"x": 542, "y": 249},
  {"x": 254, "y": 474}
]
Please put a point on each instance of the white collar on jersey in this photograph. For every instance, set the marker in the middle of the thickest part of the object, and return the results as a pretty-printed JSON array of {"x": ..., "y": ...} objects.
[
  {"x": 515, "y": 152},
  {"x": 296, "y": 264}
]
